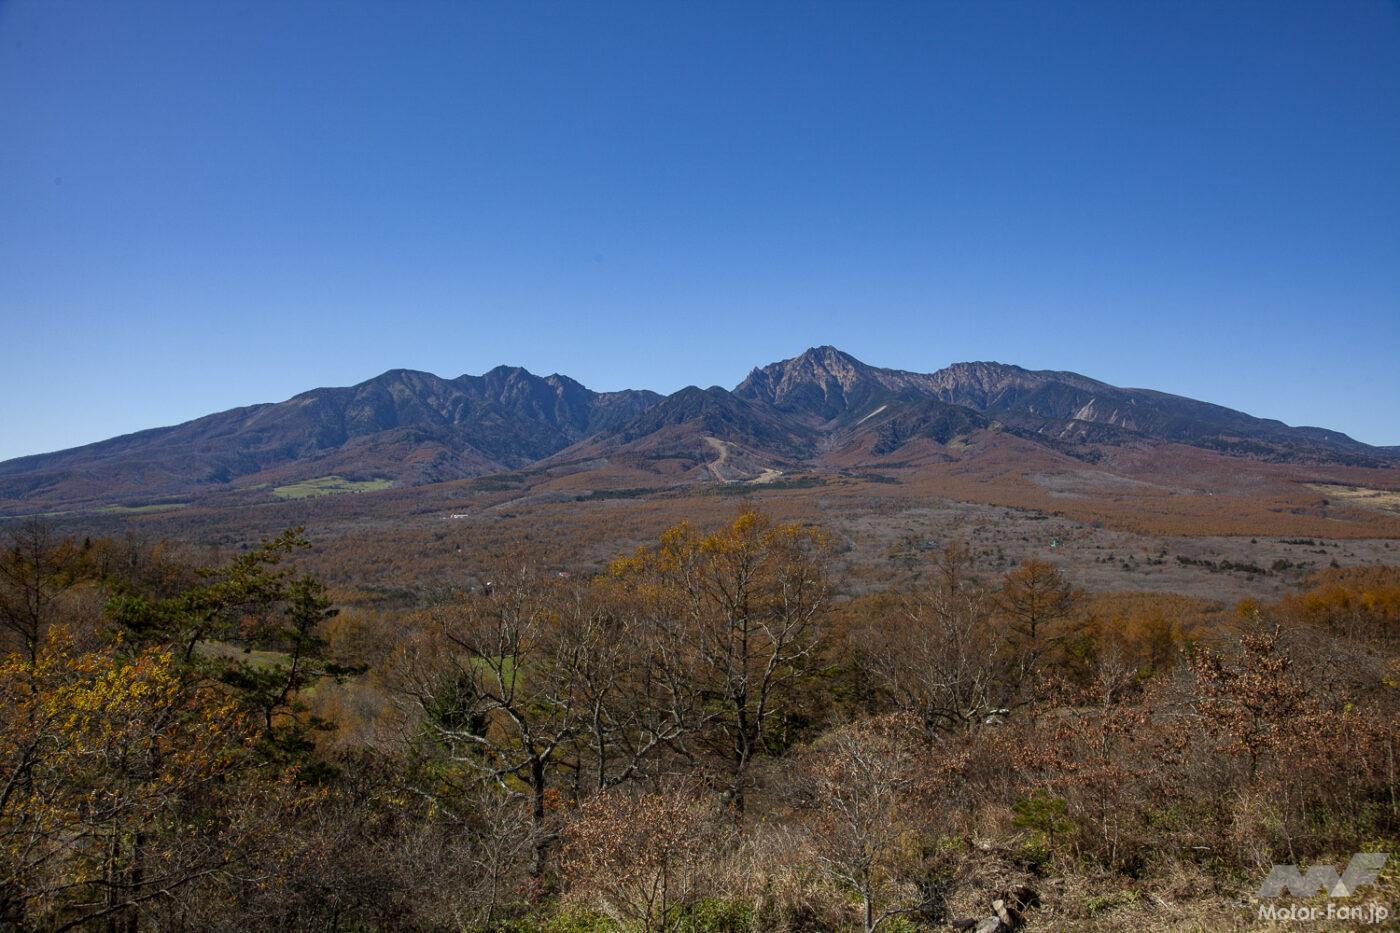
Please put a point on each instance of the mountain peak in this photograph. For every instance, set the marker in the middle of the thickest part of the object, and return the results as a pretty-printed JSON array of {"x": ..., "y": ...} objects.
[
  {"x": 818, "y": 381},
  {"x": 826, "y": 383},
  {"x": 826, "y": 354}
]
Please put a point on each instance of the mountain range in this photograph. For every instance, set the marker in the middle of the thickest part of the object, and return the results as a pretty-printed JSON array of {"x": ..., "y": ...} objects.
[{"x": 822, "y": 407}]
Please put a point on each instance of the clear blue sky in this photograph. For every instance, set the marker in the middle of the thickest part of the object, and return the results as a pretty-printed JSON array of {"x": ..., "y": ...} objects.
[{"x": 205, "y": 205}]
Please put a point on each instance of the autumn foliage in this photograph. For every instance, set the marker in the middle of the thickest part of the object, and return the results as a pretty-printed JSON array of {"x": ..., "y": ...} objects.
[{"x": 716, "y": 733}]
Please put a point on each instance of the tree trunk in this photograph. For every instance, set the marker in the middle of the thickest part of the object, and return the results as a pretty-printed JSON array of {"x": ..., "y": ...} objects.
[{"x": 537, "y": 815}]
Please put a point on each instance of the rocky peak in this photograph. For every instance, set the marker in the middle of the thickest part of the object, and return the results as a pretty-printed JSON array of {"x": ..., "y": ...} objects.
[
  {"x": 825, "y": 367},
  {"x": 822, "y": 382}
]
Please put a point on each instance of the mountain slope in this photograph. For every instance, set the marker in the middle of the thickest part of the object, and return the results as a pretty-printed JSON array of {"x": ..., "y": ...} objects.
[
  {"x": 821, "y": 407},
  {"x": 403, "y": 425},
  {"x": 825, "y": 386},
  {"x": 713, "y": 412},
  {"x": 1070, "y": 406},
  {"x": 703, "y": 434}
]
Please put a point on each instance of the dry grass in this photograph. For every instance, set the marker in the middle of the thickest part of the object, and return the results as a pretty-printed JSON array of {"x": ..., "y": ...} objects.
[{"x": 1386, "y": 500}]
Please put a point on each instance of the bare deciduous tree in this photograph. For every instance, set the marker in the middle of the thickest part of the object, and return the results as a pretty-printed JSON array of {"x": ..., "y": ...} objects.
[
  {"x": 871, "y": 792},
  {"x": 641, "y": 858},
  {"x": 942, "y": 660}
]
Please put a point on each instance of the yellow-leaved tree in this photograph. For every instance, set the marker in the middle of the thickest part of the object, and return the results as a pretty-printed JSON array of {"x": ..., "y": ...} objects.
[{"x": 117, "y": 783}]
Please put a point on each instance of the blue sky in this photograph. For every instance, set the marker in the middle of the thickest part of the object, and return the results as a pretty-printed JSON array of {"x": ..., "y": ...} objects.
[{"x": 204, "y": 205}]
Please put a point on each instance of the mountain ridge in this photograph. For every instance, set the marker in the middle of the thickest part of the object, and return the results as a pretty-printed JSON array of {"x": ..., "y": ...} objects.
[{"x": 413, "y": 427}]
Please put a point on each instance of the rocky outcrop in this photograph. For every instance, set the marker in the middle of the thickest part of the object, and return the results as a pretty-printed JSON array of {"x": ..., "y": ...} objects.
[{"x": 1008, "y": 912}]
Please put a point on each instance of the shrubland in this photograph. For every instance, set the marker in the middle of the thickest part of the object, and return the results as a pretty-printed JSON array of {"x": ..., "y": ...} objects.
[{"x": 714, "y": 733}]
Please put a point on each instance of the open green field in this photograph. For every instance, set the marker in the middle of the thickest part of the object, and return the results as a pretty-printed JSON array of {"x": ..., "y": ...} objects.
[
  {"x": 138, "y": 509},
  {"x": 328, "y": 486},
  {"x": 256, "y": 658}
]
